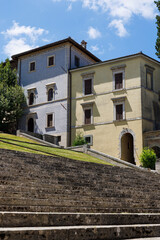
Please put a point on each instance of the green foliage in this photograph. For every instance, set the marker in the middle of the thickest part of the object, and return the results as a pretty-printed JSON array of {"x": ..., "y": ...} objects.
[
  {"x": 12, "y": 98},
  {"x": 148, "y": 158},
  {"x": 79, "y": 140},
  {"x": 157, "y": 46}
]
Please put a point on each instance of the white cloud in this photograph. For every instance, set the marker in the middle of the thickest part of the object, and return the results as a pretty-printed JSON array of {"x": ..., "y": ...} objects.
[
  {"x": 15, "y": 46},
  {"x": 93, "y": 33},
  {"x": 120, "y": 10},
  {"x": 21, "y": 38},
  {"x": 118, "y": 24},
  {"x": 69, "y": 7},
  {"x": 29, "y": 31},
  {"x": 95, "y": 48}
]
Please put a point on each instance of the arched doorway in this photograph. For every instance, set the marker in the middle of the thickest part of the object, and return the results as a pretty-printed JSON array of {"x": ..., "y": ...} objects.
[
  {"x": 127, "y": 148},
  {"x": 31, "y": 125}
]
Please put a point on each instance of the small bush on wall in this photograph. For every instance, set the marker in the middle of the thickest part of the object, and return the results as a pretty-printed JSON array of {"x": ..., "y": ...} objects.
[
  {"x": 79, "y": 140},
  {"x": 148, "y": 158}
]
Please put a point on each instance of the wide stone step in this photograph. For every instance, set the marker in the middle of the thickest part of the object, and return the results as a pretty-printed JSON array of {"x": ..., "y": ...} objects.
[
  {"x": 35, "y": 219},
  {"x": 81, "y": 232}
]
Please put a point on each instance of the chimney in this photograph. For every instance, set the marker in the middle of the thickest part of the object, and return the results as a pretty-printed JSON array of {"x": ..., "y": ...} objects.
[{"x": 84, "y": 44}]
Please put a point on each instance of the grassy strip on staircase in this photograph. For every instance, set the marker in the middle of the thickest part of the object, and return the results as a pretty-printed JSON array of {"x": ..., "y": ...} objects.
[{"x": 12, "y": 142}]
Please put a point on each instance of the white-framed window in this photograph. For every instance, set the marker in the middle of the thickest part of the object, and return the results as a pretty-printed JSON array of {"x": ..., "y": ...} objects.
[
  {"x": 118, "y": 73},
  {"x": 118, "y": 79},
  {"x": 87, "y": 78},
  {"x": 50, "y": 120},
  {"x": 87, "y": 113},
  {"x": 88, "y": 86},
  {"x": 119, "y": 108},
  {"x": 119, "y": 111},
  {"x": 32, "y": 66},
  {"x": 50, "y": 90},
  {"x": 50, "y": 61},
  {"x": 31, "y": 96},
  {"x": 89, "y": 139}
]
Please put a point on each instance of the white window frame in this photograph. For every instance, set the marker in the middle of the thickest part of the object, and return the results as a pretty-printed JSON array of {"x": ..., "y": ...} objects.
[
  {"x": 49, "y": 86},
  {"x": 53, "y": 120},
  {"x": 124, "y": 114},
  {"x": 123, "y": 80},
  {"x": 88, "y": 108},
  {"x": 48, "y": 61},
  {"x": 84, "y": 86},
  {"x": 29, "y": 91},
  {"x": 91, "y": 137},
  {"x": 30, "y": 66}
]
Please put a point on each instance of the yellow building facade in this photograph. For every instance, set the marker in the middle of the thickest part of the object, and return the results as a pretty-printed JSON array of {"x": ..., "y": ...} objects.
[{"x": 113, "y": 103}]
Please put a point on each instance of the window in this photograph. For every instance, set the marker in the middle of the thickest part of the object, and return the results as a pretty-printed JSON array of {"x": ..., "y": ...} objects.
[
  {"x": 149, "y": 79},
  {"x": 119, "y": 108},
  {"x": 118, "y": 80},
  {"x": 50, "y": 61},
  {"x": 32, "y": 66},
  {"x": 87, "y": 116},
  {"x": 31, "y": 98},
  {"x": 118, "y": 76},
  {"x": 50, "y": 91},
  {"x": 77, "y": 61},
  {"x": 119, "y": 111},
  {"x": 50, "y": 94},
  {"x": 59, "y": 138},
  {"x": 89, "y": 139},
  {"x": 87, "y": 86},
  {"x": 50, "y": 120}
]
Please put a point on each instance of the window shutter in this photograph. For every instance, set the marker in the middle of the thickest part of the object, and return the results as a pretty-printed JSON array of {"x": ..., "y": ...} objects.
[
  {"x": 88, "y": 86},
  {"x": 119, "y": 112},
  {"x": 118, "y": 80},
  {"x": 88, "y": 116},
  {"x": 50, "y": 120}
]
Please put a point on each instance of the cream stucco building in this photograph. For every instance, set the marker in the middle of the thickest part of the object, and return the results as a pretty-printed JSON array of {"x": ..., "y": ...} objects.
[{"x": 116, "y": 103}]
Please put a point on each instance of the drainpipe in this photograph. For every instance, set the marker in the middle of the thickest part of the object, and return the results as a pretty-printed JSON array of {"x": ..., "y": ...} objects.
[{"x": 69, "y": 102}]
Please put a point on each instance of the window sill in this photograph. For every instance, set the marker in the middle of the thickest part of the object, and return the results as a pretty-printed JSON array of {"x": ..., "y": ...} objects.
[
  {"x": 86, "y": 125},
  {"x": 119, "y": 90},
  {"x": 49, "y": 127},
  {"x": 88, "y": 95},
  {"x": 120, "y": 120},
  {"x": 50, "y": 66}
]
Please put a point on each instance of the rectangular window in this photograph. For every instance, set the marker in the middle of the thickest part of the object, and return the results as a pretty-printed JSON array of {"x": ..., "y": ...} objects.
[
  {"x": 87, "y": 116},
  {"x": 87, "y": 86},
  {"x": 118, "y": 80},
  {"x": 119, "y": 111},
  {"x": 89, "y": 139},
  {"x": 50, "y": 120},
  {"x": 32, "y": 66},
  {"x": 50, "y": 61},
  {"x": 149, "y": 79},
  {"x": 77, "y": 61}
]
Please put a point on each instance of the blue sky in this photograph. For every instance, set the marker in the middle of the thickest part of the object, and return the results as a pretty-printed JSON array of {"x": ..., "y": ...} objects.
[{"x": 112, "y": 28}]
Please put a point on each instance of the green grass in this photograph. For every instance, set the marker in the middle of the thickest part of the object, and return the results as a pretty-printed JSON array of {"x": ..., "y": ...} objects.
[{"x": 12, "y": 142}]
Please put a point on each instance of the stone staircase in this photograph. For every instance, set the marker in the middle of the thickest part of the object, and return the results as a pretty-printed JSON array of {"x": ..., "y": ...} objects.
[{"x": 45, "y": 197}]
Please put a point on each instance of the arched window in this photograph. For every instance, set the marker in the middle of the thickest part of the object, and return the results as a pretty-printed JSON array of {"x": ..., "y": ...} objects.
[
  {"x": 50, "y": 94},
  {"x": 31, "y": 98}
]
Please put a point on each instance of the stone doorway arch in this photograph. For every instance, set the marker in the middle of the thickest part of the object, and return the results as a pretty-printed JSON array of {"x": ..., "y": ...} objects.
[
  {"x": 127, "y": 147},
  {"x": 31, "y": 124}
]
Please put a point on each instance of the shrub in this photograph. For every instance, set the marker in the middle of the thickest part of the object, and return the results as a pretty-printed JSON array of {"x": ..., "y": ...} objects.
[
  {"x": 79, "y": 140},
  {"x": 148, "y": 158}
]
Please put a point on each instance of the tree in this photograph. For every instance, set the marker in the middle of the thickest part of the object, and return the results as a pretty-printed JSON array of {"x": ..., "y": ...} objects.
[
  {"x": 157, "y": 46},
  {"x": 12, "y": 99},
  {"x": 148, "y": 158}
]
